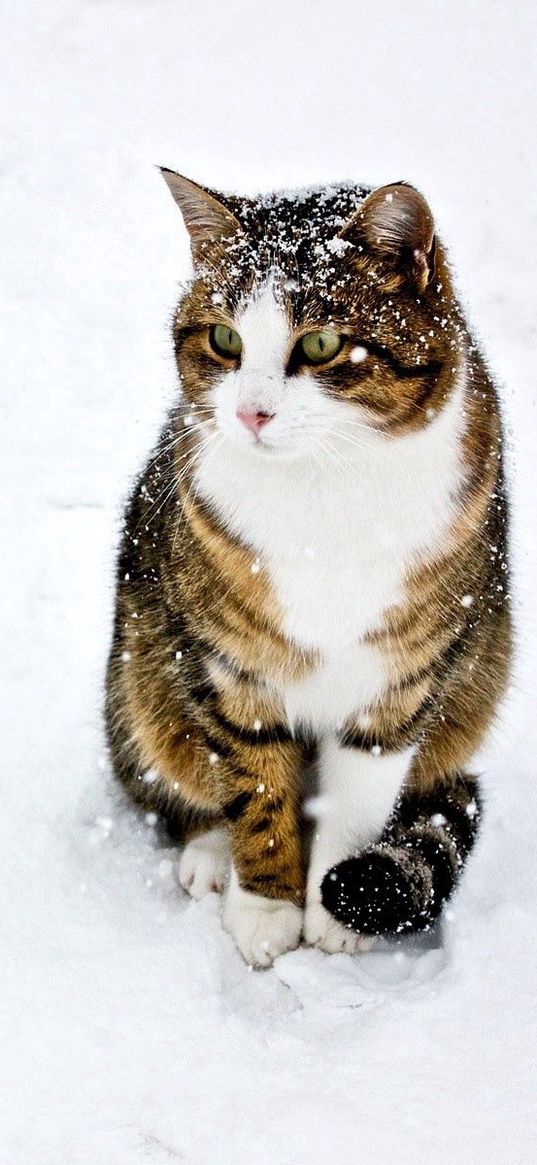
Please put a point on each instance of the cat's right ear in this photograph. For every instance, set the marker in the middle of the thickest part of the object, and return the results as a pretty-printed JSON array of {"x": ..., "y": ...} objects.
[
  {"x": 395, "y": 222},
  {"x": 205, "y": 216}
]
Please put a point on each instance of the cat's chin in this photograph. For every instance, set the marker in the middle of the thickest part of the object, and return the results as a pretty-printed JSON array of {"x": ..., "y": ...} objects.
[
  {"x": 261, "y": 450},
  {"x": 280, "y": 453},
  {"x": 272, "y": 452}
]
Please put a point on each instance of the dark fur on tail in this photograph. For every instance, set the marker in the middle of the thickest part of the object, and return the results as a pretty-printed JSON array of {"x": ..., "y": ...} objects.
[{"x": 401, "y": 884}]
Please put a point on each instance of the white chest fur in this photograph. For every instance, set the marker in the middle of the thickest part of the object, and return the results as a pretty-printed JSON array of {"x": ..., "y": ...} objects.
[{"x": 337, "y": 540}]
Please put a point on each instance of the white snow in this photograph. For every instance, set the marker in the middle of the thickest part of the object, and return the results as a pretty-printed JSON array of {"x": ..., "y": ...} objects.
[{"x": 132, "y": 1031}]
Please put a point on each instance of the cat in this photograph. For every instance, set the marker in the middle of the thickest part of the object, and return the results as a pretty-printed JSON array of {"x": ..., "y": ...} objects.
[{"x": 313, "y": 571}]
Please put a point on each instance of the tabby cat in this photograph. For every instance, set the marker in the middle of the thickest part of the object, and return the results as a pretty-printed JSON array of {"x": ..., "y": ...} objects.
[{"x": 313, "y": 582}]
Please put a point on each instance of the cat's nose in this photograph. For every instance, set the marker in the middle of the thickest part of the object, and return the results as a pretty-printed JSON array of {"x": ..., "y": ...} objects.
[{"x": 254, "y": 421}]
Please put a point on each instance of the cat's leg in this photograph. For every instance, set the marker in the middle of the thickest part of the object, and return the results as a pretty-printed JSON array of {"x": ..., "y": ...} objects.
[
  {"x": 400, "y": 881},
  {"x": 263, "y": 904},
  {"x": 262, "y": 927},
  {"x": 358, "y": 790},
  {"x": 205, "y": 862}
]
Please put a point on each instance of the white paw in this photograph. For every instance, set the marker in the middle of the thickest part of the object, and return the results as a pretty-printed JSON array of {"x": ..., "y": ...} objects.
[
  {"x": 204, "y": 863},
  {"x": 263, "y": 928},
  {"x": 323, "y": 931}
]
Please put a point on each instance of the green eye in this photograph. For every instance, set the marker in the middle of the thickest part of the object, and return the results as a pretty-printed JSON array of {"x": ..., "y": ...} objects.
[
  {"x": 319, "y": 347},
  {"x": 225, "y": 341}
]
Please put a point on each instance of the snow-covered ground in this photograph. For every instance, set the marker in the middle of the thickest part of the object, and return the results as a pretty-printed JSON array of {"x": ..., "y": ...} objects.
[{"x": 131, "y": 1031}]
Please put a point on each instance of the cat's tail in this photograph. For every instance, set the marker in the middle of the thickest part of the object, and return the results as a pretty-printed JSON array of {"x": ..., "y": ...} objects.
[{"x": 400, "y": 884}]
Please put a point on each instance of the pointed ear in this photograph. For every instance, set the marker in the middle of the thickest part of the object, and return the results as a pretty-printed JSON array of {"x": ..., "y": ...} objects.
[
  {"x": 395, "y": 223},
  {"x": 206, "y": 218}
]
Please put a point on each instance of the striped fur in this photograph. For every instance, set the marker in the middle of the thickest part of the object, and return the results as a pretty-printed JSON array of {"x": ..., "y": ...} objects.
[{"x": 337, "y": 588}]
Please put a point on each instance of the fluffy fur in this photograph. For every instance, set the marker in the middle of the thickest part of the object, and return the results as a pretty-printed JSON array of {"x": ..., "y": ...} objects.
[{"x": 327, "y": 585}]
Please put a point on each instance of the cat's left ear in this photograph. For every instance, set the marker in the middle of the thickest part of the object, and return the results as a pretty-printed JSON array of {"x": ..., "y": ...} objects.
[
  {"x": 206, "y": 217},
  {"x": 395, "y": 223}
]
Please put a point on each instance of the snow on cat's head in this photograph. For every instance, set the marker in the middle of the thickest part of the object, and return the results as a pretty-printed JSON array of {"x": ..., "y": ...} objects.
[{"x": 314, "y": 315}]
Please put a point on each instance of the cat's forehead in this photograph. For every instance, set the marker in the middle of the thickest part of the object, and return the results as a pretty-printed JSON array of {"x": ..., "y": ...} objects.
[
  {"x": 291, "y": 237},
  {"x": 292, "y": 213}
]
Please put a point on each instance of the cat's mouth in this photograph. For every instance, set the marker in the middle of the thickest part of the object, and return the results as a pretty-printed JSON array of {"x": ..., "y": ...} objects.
[
  {"x": 262, "y": 448},
  {"x": 255, "y": 432}
]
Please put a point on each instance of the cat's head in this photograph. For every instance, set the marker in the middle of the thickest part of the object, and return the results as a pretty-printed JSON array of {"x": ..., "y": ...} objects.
[{"x": 313, "y": 314}]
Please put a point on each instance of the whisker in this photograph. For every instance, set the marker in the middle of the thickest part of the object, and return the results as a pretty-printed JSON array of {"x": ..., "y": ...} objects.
[{"x": 203, "y": 447}]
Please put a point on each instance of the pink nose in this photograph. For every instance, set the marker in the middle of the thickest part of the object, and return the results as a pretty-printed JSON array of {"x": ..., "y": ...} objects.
[{"x": 254, "y": 421}]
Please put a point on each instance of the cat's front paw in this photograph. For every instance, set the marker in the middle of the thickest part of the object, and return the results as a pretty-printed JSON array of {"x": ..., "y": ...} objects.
[
  {"x": 323, "y": 931},
  {"x": 205, "y": 863},
  {"x": 263, "y": 928}
]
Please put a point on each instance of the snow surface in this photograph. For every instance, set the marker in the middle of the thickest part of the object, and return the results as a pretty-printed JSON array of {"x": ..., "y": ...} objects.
[{"x": 131, "y": 1031}]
